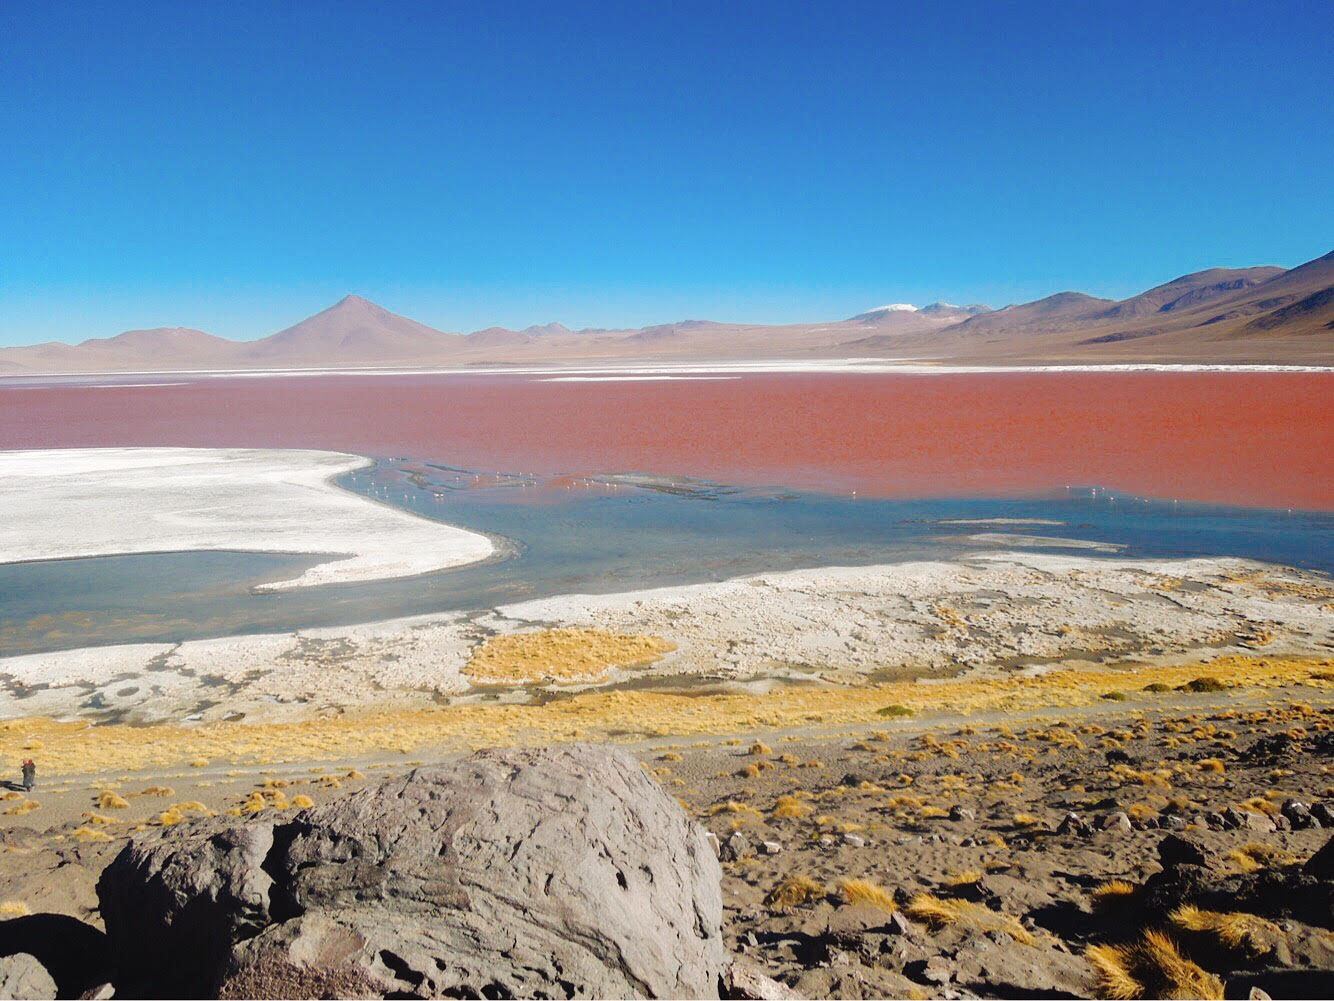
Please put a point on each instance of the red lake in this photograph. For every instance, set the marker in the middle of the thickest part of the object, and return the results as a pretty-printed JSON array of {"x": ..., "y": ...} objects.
[{"x": 1256, "y": 439}]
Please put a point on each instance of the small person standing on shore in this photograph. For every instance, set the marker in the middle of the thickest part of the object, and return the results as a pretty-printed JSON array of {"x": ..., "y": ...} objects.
[{"x": 29, "y": 775}]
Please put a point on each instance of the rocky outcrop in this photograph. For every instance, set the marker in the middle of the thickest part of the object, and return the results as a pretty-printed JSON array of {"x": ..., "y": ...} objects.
[{"x": 555, "y": 872}]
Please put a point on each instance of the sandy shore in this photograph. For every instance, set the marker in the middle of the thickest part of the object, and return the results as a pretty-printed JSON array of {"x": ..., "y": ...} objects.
[
  {"x": 832, "y": 626},
  {"x": 69, "y": 503}
]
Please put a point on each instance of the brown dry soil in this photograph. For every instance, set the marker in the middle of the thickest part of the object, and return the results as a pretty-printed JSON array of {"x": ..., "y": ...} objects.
[{"x": 867, "y": 797}]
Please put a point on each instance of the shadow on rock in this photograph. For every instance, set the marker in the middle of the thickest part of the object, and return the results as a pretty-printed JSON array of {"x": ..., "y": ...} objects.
[{"x": 74, "y": 954}]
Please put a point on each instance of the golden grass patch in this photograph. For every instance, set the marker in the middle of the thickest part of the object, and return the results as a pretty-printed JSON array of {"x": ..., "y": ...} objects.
[
  {"x": 1234, "y": 930},
  {"x": 1151, "y": 967},
  {"x": 561, "y": 655},
  {"x": 1113, "y": 893},
  {"x": 865, "y": 893},
  {"x": 790, "y": 807},
  {"x": 937, "y": 913},
  {"x": 795, "y": 891},
  {"x": 80, "y": 747},
  {"x": 14, "y": 909}
]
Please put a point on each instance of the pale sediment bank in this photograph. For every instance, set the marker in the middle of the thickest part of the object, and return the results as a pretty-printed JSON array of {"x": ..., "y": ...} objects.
[
  {"x": 832, "y": 626},
  {"x": 657, "y": 368},
  {"x": 72, "y": 503}
]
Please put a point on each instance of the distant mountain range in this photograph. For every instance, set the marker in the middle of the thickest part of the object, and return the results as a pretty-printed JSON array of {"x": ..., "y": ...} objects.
[{"x": 1239, "y": 315}]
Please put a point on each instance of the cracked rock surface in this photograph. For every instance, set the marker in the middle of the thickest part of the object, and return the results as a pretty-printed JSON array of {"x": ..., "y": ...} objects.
[{"x": 556, "y": 872}]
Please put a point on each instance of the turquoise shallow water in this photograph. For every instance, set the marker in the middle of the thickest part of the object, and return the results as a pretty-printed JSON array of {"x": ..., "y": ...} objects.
[{"x": 610, "y": 534}]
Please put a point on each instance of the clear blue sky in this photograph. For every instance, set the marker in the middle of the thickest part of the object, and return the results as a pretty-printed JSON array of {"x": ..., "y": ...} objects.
[{"x": 238, "y": 166}]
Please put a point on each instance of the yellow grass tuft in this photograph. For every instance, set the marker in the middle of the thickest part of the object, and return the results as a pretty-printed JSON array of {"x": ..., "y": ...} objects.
[
  {"x": 25, "y": 807},
  {"x": 790, "y": 807},
  {"x": 168, "y": 818},
  {"x": 1150, "y": 968},
  {"x": 158, "y": 791},
  {"x": 109, "y": 800},
  {"x": 14, "y": 909},
  {"x": 966, "y": 877},
  {"x": 302, "y": 802},
  {"x": 937, "y": 913},
  {"x": 1243, "y": 861},
  {"x": 760, "y": 747},
  {"x": 1113, "y": 893},
  {"x": 98, "y": 819},
  {"x": 87, "y": 833},
  {"x": 1254, "y": 855},
  {"x": 1234, "y": 930},
  {"x": 795, "y": 891},
  {"x": 865, "y": 893}
]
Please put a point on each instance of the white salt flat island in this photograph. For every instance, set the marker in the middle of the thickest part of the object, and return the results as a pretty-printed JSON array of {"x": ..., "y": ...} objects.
[{"x": 70, "y": 503}]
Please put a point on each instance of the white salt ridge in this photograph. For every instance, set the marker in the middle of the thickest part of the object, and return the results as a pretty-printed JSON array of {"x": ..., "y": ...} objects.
[{"x": 72, "y": 503}]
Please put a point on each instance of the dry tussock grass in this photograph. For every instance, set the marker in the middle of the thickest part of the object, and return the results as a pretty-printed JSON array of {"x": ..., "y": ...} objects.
[
  {"x": 866, "y": 893},
  {"x": 965, "y": 877},
  {"x": 937, "y": 913},
  {"x": 1113, "y": 893},
  {"x": 795, "y": 891},
  {"x": 790, "y": 807},
  {"x": 1151, "y": 967},
  {"x": 1234, "y": 930}
]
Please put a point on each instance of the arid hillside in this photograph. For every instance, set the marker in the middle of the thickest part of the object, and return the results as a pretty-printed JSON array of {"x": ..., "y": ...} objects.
[{"x": 1260, "y": 315}]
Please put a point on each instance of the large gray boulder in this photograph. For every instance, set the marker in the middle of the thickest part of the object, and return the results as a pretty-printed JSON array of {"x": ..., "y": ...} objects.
[
  {"x": 552, "y": 872},
  {"x": 22, "y": 976}
]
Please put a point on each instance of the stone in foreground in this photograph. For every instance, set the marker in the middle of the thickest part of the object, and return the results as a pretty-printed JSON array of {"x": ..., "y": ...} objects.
[
  {"x": 553, "y": 872},
  {"x": 23, "y": 976}
]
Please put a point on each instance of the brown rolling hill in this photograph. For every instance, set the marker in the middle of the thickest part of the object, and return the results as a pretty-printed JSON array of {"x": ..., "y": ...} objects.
[{"x": 1261, "y": 315}]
